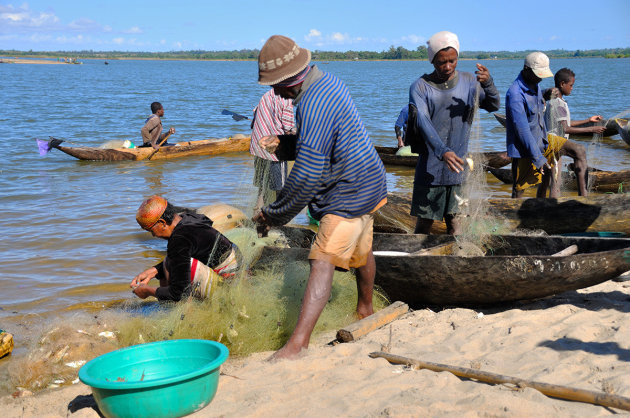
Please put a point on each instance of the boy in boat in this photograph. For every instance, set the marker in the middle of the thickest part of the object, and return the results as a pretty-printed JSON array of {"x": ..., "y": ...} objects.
[
  {"x": 152, "y": 130},
  {"x": 197, "y": 255},
  {"x": 272, "y": 116},
  {"x": 535, "y": 153},
  {"x": 441, "y": 109},
  {"x": 337, "y": 173}
]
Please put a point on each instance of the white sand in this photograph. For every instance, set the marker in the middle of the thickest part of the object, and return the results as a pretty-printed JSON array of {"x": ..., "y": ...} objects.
[{"x": 579, "y": 339}]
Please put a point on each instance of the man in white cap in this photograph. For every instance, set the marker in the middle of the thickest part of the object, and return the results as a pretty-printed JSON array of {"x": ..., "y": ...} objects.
[
  {"x": 337, "y": 173},
  {"x": 532, "y": 150},
  {"x": 441, "y": 110}
]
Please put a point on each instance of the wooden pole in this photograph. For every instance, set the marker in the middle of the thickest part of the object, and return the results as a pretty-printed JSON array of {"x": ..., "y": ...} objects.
[
  {"x": 383, "y": 317},
  {"x": 158, "y": 148},
  {"x": 570, "y": 250},
  {"x": 556, "y": 391}
]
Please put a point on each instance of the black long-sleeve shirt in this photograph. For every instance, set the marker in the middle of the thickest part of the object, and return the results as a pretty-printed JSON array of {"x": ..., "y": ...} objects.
[{"x": 192, "y": 237}]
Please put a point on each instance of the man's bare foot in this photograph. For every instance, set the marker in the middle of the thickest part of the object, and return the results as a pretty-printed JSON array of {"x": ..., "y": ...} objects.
[
  {"x": 286, "y": 352},
  {"x": 364, "y": 311}
]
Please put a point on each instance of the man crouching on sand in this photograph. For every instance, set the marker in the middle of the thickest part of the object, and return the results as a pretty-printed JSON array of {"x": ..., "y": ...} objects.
[{"x": 337, "y": 173}]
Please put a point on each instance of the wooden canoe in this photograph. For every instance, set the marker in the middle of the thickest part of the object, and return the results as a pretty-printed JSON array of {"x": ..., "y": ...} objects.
[
  {"x": 181, "y": 149},
  {"x": 513, "y": 268},
  {"x": 495, "y": 159},
  {"x": 604, "y": 212},
  {"x": 623, "y": 127},
  {"x": 611, "y": 126},
  {"x": 598, "y": 180}
]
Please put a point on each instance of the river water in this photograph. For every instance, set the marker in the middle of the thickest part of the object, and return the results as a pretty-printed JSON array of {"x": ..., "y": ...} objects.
[{"x": 70, "y": 241}]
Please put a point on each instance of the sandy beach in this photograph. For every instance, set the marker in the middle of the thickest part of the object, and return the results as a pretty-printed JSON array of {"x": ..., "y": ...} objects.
[{"x": 579, "y": 339}]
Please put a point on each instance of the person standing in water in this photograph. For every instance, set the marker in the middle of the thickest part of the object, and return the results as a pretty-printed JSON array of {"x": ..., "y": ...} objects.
[{"x": 441, "y": 110}]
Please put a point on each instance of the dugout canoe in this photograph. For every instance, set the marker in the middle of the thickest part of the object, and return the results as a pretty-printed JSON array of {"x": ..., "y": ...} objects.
[
  {"x": 495, "y": 159},
  {"x": 598, "y": 180},
  {"x": 623, "y": 127},
  {"x": 507, "y": 268},
  {"x": 611, "y": 126},
  {"x": 213, "y": 146},
  {"x": 594, "y": 213}
]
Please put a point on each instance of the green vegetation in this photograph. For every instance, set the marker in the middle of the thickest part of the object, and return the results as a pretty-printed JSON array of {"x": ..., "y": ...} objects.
[{"x": 393, "y": 53}]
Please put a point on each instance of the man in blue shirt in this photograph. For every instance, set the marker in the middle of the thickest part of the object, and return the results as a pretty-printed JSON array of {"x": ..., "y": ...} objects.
[
  {"x": 400, "y": 127},
  {"x": 533, "y": 152},
  {"x": 441, "y": 109}
]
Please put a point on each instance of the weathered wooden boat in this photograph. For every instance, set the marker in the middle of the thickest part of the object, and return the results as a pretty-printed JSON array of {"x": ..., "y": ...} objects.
[
  {"x": 508, "y": 267},
  {"x": 180, "y": 149},
  {"x": 598, "y": 180},
  {"x": 604, "y": 212},
  {"x": 388, "y": 155},
  {"x": 623, "y": 127},
  {"x": 611, "y": 126}
]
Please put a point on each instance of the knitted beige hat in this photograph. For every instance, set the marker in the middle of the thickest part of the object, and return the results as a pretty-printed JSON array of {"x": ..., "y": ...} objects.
[{"x": 280, "y": 58}]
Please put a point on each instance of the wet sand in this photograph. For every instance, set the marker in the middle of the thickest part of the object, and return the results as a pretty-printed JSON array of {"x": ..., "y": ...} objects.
[{"x": 579, "y": 339}]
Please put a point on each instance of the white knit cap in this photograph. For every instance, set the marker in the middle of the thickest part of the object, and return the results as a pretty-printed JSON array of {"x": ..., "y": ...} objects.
[
  {"x": 539, "y": 63},
  {"x": 440, "y": 41}
]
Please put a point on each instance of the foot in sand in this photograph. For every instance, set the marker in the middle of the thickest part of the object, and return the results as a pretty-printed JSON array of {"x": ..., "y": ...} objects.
[{"x": 288, "y": 352}]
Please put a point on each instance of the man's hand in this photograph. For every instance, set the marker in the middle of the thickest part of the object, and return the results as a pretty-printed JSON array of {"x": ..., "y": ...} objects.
[
  {"x": 596, "y": 118},
  {"x": 400, "y": 142},
  {"x": 144, "y": 277},
  {"x": 171, "y": 131},
  {"x": 545, "y": 168},
  {"x": 144, "y": 292},
  {"x": 453, "y": 162},
  {"x": 269, "y": 143},
  {"x": 262, "y": 225},
  {"x": 483, "y": 75}
]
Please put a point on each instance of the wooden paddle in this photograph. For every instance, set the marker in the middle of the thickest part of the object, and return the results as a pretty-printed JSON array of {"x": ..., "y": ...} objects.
[
  {"x": 556, "y": 391},
  {"x": 158, "y": 148}
]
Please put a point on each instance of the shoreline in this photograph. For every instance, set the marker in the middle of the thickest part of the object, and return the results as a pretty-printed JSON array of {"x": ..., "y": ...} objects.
[{"x": 577, "y": 339}]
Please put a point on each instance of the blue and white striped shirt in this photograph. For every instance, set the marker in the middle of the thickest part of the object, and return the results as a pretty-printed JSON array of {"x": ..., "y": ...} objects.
[{"x": 337, "y": 170}]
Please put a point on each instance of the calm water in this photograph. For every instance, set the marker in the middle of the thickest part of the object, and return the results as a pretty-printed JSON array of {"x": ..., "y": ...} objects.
[{"x": 69, "y": 237}]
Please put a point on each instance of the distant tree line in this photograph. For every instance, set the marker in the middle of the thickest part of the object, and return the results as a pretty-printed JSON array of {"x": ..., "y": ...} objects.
[{"x": 393, "y": 53}]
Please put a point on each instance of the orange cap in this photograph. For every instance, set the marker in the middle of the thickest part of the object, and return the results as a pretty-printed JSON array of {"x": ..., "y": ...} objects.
[{"x": 150, "y": 211}]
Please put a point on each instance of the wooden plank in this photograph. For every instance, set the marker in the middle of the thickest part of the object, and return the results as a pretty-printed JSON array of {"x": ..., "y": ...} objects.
[
  {"x": 556, "y": 391},
  {"x": 368, "y": 324}
]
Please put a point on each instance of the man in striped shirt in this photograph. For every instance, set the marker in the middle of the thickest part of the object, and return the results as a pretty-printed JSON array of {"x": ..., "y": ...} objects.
[
  {"x": 272, "y": 116},
  {"x": 337, "y": 173}
]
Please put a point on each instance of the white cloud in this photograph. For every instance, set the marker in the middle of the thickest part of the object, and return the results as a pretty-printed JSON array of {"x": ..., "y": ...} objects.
[
  {"x": 553, "y": 37},
  {"x": 313, "y": 35},
  {"x": 414, "y": 39},
  {"x": 119, "y": 41},
  {"x": 340, "y": 37},
  {"x": 134, "y": 29},
  {"x": 22, "y": 19}
]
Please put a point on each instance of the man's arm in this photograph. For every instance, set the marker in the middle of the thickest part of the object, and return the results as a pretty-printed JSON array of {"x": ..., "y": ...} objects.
[
  {"x": 178, "y": 254},
  {"x": 424, "y": 124},
  {"x": 515, "y": 114},
  {"x": 489, "y": 98}
]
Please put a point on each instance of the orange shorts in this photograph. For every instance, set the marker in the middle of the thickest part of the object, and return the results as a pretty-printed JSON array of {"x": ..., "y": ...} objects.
[{"x": 343, "y": 242}]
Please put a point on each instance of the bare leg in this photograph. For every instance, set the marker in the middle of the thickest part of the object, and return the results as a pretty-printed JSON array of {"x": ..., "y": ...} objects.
[
  {"x": 365, "y": 287},
  {"x": 315, "y": 298},
  {"x": 423, "y": 226},
  {"x": 515, "y": 193},
  {"x": 544, "y": 185},
  {"x": 554, "y": 186},
  {"x": 578, "y": 153},
  {"x": 453, "y": 225}
]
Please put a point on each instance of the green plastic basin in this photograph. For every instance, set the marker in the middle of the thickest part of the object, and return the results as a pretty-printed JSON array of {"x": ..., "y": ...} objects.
[{"x": 161, "y": 379}]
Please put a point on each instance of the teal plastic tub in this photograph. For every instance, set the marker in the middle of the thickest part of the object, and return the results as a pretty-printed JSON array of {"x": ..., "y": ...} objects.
[{"x": 162, "y": 379}]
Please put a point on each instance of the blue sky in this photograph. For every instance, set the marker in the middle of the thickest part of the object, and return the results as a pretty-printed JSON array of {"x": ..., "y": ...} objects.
[{"x": 331, "y": 25}]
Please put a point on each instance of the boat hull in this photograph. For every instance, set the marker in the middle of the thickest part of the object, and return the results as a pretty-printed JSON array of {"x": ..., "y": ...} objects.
[
  {"x": 182, "y": 149},
  {"x": 494, "y": 159},
  {"x": 514, "y": 267},
  {"x": 606, "y": 212}
]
